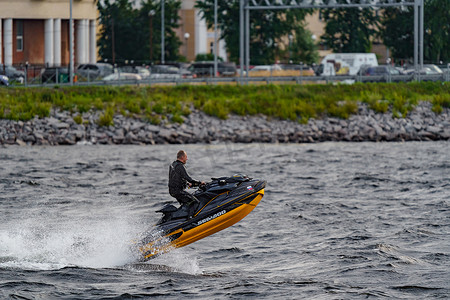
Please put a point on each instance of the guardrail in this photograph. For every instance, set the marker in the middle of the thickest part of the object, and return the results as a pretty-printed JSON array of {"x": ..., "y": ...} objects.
[{"x": 445, "y": 77}]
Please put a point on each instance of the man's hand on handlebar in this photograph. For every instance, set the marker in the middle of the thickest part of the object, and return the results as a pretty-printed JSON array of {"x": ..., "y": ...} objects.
[{"x": 201, "y": 183}]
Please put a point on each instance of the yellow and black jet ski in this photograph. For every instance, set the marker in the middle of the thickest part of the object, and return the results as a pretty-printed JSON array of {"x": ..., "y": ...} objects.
[{"x": 221, "y": 203}]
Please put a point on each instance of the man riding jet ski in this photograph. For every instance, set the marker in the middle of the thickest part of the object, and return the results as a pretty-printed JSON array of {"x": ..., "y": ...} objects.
[
  {"x": 179, "y": 179},
  {"x": 220, "y": 203}
]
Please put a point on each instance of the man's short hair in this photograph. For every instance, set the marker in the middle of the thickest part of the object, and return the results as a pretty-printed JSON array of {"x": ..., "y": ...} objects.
[{"x": 181, "y": 154}]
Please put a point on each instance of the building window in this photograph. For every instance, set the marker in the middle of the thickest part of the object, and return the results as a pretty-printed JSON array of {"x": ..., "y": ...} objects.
[{"x": 19, "y": 35}]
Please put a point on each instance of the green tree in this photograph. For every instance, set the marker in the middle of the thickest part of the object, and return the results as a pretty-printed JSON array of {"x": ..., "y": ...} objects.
[
  {"x": 117, "y": 30},
  {"x": 349, "y": 30},
  {"x": 171, "y": 21},
  {"x": 206, "y": 57},
  {"x": 268, "y": 28},
  {"x": 131, "y": 28},
  {"x": 304, "y": 46},
  {"x": 397, "y": 31}
]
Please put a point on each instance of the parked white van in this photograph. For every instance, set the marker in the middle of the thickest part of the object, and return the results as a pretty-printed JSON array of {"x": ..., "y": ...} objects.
[{"x": 345, "y": 63}]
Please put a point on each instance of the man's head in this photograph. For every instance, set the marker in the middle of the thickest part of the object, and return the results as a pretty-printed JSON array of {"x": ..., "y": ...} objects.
[{"x": 182, "y": 156}]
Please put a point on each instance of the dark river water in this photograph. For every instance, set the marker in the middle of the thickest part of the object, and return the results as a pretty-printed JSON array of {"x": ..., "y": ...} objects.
[{"x": 338, "y": 221}]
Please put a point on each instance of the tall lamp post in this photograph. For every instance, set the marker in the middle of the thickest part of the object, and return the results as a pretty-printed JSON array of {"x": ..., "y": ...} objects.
[
  {"x": 151, "y": 13},
  {"x": 291, "y": 37},
  {"x": 71, "y": 45},
  {"x": 162, "y": 32},
  {"x": 186, "y": 37},
  {"x": 215, "y": 38},
  {"x": 113, "y": 42}
]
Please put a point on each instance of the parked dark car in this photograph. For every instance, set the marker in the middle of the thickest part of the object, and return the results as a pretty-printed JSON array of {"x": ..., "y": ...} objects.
[
  {"x": 179, "y": 65},
  {"x": 206, "y": 69},
  {"x": 12, "y": 73},
  {"x": 170, "y": 71},
  {"x": 55, "y": 75},
  {"x": 382, "y": 74},
  {"x": 183, "y": 69},
  {"x": 164, "y": 72},
  {"x": 94, "y": 71},
  {"x": 4, "y": 80},
  {"x": 382, "y": 70},
  {"x": 363, "y": 69}
]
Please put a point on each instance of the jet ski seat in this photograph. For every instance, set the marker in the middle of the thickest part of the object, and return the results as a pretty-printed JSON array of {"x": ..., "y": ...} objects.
[
  {"x": 171, "y": 212},
  {"x": 167, "y": 209}
]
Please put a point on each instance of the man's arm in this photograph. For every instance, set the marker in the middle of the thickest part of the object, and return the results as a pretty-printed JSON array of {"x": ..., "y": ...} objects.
[{"x": 185, "y": 175}]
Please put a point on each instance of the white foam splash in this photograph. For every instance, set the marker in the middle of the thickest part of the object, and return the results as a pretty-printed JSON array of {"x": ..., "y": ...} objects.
[
  {"x": 171, "y": 258},
  {"x": 41, "y": 244},
  {"x": 180, "y": 260}
]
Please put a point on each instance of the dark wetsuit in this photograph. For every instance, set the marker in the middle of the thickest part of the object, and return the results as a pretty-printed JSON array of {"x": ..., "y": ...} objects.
[{"x": 178, "y": 181}]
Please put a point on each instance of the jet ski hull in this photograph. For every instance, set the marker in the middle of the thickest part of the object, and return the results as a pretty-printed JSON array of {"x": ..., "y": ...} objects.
[
  {"x": 201, "y": 224},
  {"x": 217, "y": 224}
]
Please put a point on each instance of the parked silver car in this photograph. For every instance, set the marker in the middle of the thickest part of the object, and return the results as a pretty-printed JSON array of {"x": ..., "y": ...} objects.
[
  {"x": 92, "y": 72},
  {"x": 141, "y": 71},
  {"x": 428, "y": 69},
  {"x": 122, "y": 77},
  {"x": 165, "y": 72}
]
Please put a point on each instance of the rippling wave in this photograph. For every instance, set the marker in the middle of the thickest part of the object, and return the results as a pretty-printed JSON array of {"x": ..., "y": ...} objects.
[{"x": 338, "y": 221}]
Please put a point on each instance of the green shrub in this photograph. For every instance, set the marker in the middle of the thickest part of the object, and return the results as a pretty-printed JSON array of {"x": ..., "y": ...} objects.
[
  {"x": 343, "y": 109},
  {"x": 106, "y": 119},
  {"x": 177, "y": 119},
  {"x": 305, "y": 111},
  {"x": 294, "y": 102},
  {"x": 186, "y": 111},
  {"x": 132, "y": 106},
  {"x": 439, "y": 101},
  {"x": 399, "y": 106},
  {"x": 375, "y": 102},
  {"x": 213, "y": 108},
  {"x": 42, "y": 110},
  {"x": 78, "y": 119},
  {"x": 154, "y": 119},
  {"x": 158, "y": 108}
]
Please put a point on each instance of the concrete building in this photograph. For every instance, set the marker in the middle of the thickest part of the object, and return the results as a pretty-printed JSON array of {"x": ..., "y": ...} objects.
[
  {"x": 37, "y": 32},
  {"x": 194, "y": 33}
]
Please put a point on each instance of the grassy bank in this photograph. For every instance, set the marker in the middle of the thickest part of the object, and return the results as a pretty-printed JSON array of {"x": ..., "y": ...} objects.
[{"x": 294, "y": 102}]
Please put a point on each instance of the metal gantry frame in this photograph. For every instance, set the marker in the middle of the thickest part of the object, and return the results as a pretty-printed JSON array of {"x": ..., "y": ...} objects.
[{"x": 247, "y": 5}]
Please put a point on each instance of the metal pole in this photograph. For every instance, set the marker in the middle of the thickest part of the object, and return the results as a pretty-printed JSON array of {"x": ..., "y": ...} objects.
[
  {"x": 416, "y": 35},
  {"x": 421, "y": 34},
  {"x": 113, "y": 42},
  {"x": 215, "y": 38},
  {"x": 247, "y": 39},
  {"x": 26, "y": 73},
  {"x": 241, "y": 37},
  {"x": 162, "y": 32},
  {"x": 71, "y": 63},
  {"x": 448, "y": 72},
  {"x": 151, "y": 14}
]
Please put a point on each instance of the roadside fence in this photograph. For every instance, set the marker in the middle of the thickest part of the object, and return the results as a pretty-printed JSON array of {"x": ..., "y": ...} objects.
[{"x": 36, "y": 77}]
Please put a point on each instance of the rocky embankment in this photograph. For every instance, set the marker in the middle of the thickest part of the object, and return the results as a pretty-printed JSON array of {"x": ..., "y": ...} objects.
[{"x": 422, "y": 124}]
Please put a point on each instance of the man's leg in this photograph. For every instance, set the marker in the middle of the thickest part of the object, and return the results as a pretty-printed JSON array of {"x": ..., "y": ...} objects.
[
  {"x": 189, "y": 200},
  {"x": 186, "y": 198}
]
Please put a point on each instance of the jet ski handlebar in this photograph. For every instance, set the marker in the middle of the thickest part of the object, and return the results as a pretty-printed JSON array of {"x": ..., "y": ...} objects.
[{"x": 232, "y": 179}]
